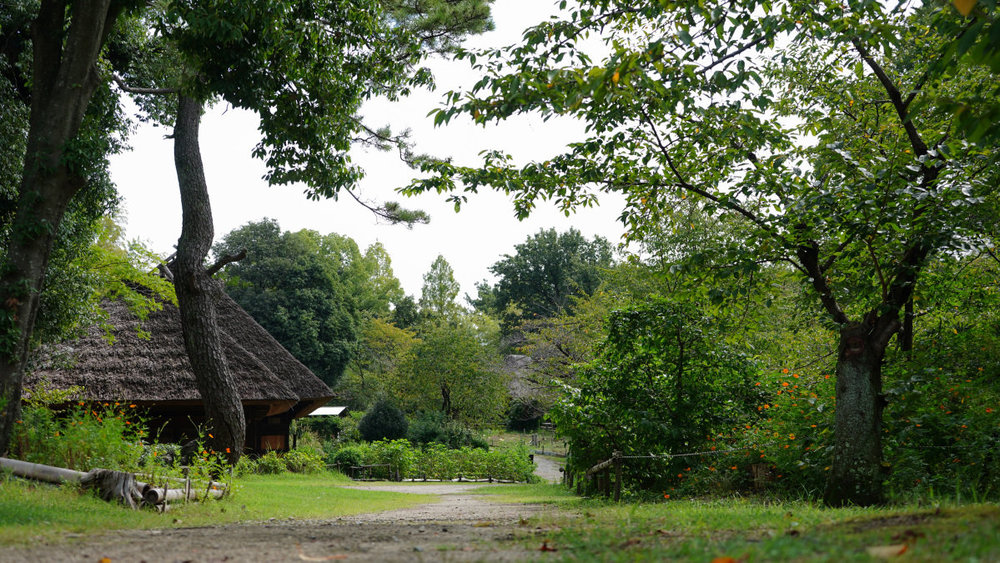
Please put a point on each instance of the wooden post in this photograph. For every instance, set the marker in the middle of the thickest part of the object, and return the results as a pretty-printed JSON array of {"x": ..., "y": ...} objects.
[{"x": 617, "y": 456}]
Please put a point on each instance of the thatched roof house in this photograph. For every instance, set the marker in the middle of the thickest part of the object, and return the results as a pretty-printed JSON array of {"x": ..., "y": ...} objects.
[{"x": 154, "y": 373}]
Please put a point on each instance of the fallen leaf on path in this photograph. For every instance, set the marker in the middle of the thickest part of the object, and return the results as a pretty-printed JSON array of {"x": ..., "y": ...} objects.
[
  {"x": 887, "y": 551},
  {"x": 104, "y": 560},
  {"x": 483, "y": 525},
  {"x": 726, "y": 560},
  {"x": 305, "y": 557},
  {"x": 547, "y": 547}
]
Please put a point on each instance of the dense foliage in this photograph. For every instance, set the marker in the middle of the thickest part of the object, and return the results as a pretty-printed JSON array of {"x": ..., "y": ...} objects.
[
  {"x": 383, "y": 421},
  {"x": 543, "y": 276},
  {"x": 310, "y": 291},
  {"x": 827, "y": 126},
  {"x": 662, "y": 383},
  {"x": 400, "y": 460}
]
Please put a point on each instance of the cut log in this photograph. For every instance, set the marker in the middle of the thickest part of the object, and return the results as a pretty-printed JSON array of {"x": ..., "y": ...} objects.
[
  {"x": 40, "y": 472},
  {"x": 154, "y": 495}
]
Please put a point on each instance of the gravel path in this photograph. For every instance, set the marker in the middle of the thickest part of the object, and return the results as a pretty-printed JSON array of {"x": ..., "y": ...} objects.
[
  {"x": 548, "y": 469},
  {"x": 460, "y": 527}
]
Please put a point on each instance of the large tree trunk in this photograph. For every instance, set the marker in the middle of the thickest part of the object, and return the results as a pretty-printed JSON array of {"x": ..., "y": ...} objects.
[
  {"x": 64, "y": 74},
  {"x": 856, "y": 473},
  {"x": 197, "y": 291}
]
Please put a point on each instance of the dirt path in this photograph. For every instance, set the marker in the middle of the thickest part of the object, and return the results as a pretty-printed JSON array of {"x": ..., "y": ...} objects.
[
  {"x": 460, "y": 527},
  {"x": 548, "y": 468}
]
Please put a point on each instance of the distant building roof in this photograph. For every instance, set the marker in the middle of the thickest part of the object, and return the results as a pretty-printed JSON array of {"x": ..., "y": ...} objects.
[{"x": 329, "y": 411}]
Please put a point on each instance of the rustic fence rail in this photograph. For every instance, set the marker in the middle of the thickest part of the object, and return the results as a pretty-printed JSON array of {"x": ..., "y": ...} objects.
[{"x": 601, "y": 473}]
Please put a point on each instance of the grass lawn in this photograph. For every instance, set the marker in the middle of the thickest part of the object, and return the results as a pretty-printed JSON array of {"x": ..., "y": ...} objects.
[
  {"x": 743, "y": 529},
  {"x": 31, "y": 511}
]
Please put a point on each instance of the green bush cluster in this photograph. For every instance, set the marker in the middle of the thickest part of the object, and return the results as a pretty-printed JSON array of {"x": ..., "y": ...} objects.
[
  {"x": 436, "y": 428},
  {"x": 383, "y": 421},
  {"x": 81, "y": 436},
  {"x": 300, "y": 460},
  {"x": 400, "y": 459}
]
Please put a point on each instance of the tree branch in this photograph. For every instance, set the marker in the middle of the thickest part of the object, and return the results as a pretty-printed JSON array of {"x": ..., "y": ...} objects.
[
  {"x": 808, "y": 254},
  {"x": 227, "y": 259},
  {"x": 919, "y": 147},
  {"x": 134, "y": 90}
]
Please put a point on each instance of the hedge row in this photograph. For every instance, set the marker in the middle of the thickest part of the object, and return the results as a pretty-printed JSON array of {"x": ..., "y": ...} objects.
[{"x": 398, "y": 459}]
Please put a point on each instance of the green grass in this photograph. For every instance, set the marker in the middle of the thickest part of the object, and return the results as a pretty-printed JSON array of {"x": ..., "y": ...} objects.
[
  {"x": 754, "y": 530},
  {"x": 557, "y": 495},
  {"x": 36, "y": 511}
]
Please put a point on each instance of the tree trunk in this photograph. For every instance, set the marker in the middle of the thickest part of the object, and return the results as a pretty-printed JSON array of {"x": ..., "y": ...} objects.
[
  {"x": 64, "y": 71},
  {"x": 197, "y": 292},
  {"x": 856, "y": 473}
]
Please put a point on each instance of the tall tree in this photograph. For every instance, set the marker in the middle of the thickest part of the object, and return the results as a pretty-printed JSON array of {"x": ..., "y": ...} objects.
[
  {"x": 820, "y": 123},
  {"x": 454, "y": 368},
  {"x": 312, "y": 292},
  {"x": 437, "y": 297},
  {"x": 66, "y": 42},
  {"x": 546, "y": 272},
  {"x": 304, "y": 67}
]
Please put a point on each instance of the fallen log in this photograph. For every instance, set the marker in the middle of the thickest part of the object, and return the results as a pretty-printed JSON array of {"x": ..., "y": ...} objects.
[
  {"x": 111, "y": 485},
  {"x": 154, "y": 495},
  {"x": 117, "y": 485},
  {"x": 40, "y": 472}
]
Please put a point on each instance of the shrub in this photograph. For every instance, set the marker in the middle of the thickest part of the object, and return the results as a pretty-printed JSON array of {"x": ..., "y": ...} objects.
[
  {"x": 304, "y": 460},
  {"x": 383, "y": 421},
  {"x": 664, "y": 382},
  {"x": 82, "y": 436},
  {"x": 348, "y": 456},
  {"x": 245, "y": 466},
  {"x": 434, "y": 427},
  {"x": 397, "y": 454},
  {"x": 270, "y": 464},
  {"x": 437, "y": 461}
]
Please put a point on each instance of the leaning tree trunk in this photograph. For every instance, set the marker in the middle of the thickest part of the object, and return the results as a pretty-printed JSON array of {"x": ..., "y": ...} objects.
[
  {"x": 856, "y": 471},
  {"x": 197, "y": 291},
  {"x": 65, "y": 75}
]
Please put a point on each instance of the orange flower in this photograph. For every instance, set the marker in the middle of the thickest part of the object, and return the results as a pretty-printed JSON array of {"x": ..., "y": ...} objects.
[
  {"x": 212, "y": 437},
  {"x": 784, "y": 370},
  {"x": 784, "y": 384},
  {"x": 666, "y": 495},
  {"x": 227, "y": 450},
  {"x": 795, "y": 375},
  {"x": 132, "y": 406}
]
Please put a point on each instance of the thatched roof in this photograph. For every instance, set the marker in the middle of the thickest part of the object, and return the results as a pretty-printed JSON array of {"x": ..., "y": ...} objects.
[{"x": 157, "y": 370}]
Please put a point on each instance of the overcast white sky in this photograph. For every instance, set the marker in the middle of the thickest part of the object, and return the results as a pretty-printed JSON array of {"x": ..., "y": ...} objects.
[{"x": 471, "y": 240}]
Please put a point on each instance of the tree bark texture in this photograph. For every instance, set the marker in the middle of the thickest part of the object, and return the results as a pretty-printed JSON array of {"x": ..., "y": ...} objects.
[
  {"x": 856, "y": 471},
  {"x": 64, "y": 75},
  {"x": 197, "y": 291}
]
